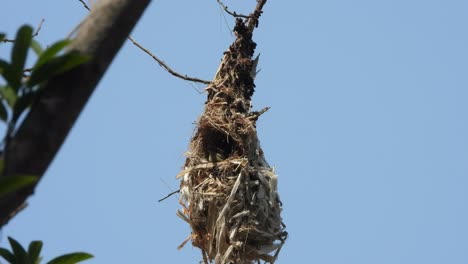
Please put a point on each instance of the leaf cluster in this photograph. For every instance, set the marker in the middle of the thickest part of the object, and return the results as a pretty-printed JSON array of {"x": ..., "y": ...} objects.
[
  {"x": 22, "y": 86},
  {"x": 20, "y": 89},
  {"x": 19, "y": 255},
  {"x": 16, "y": 96}
]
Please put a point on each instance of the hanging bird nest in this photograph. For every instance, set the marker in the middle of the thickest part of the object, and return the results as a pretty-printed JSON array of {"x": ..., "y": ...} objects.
[{"x": 228, "y": 190}]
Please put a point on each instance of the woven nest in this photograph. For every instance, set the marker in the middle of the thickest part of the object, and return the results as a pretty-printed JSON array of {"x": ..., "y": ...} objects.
[{"x": 228, "y": 190}]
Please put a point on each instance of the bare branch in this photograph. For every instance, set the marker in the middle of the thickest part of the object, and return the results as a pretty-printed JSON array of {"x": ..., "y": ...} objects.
[
  {"x": 158, "y": 60},
  {"x": 35, "y": 33},
  {"x": 8, "y": 40},
  {"x": 234, "y": 14},
  {"x": 85, "y": 5},
  {"x": 38, "y": 28},
  {"x": 164, "y": 65},
  {"x": 169, "y": 195}
]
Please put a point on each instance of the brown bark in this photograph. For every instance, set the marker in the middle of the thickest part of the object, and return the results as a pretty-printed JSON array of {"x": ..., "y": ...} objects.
[{"x": 53, "y": 114}]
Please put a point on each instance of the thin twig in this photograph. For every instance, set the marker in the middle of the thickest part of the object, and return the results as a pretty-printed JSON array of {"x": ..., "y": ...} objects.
[
  {"x": 169, "y": 195},
  {"x": 8, "y": 40},
  {"x": 225, "y": 21},
  {"x": 38, "y": 28},
  {"x": 160, "y": 62},
  {"x": 164, "y": 65},
  {"x": 255, "y": 114},
  {"x": 35, "y": 33},
  {"x": 85, "y": 5},
  {"x": 196, "y": 88},
  {"x": 234, "y": 14},
  {"x": 75, "y": 29}
]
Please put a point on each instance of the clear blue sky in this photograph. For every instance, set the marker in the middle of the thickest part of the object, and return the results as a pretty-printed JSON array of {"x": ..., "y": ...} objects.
[{"x": 368, "y": 131}]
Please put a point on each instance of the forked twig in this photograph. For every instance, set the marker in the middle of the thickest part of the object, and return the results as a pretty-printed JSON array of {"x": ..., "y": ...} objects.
[
  {"x": 164, "y": 65},
  {"x": 34, "y": 34},
  {"x": 158, "y": 60},
  {"x": 234, "y": 14}
]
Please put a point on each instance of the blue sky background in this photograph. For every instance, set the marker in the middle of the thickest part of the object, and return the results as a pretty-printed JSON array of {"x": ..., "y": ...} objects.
[{"x": 368, "y": 131}]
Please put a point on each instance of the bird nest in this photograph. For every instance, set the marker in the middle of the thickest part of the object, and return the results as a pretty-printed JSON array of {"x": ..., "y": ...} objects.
[{"x": 228, "y": 191}]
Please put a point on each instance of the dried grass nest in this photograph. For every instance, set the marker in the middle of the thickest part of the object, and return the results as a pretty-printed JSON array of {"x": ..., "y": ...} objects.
[{"x": 228, "y": 190}]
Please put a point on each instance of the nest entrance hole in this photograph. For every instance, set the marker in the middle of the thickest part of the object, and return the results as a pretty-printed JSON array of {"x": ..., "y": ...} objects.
[{"x": 217, "y": 146}]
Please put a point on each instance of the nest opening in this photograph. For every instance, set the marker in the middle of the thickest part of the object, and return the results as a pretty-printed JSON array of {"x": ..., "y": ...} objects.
[{"x": 216, "y": 146}]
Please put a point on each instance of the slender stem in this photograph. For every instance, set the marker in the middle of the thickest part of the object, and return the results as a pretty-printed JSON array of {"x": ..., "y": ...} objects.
[
  {"x": 158, "y": 60},
  {"x": 226, "y": 9},
  {"x": 165, "y": 66}
]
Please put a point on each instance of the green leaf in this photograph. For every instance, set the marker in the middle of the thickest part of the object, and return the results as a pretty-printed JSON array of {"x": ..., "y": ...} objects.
[
  {"x": 21, "y": 257},
  {"x": 36, "y": 47},
  {"x": 55, "y": 66},
  {"x": 50, "y": 52},
  {"x": 34, "y": 251},
  {"x": 71, "y": 258},
  {"x": 8, "y": 94},
  {"x": 7, "y": 255},
  {"x": 19, "y": 54},
  {"x": 10, "y": 184}
]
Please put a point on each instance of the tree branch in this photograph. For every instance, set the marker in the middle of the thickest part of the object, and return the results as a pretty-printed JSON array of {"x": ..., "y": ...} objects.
[
  {"x": 164, "y": 65},
  {"x": 54, "y": 112},
  {"x": 226, "y": 9},
  {"x": 158, "y": 60},
  {"x": 85, "y": 5},
  {"x": 169, "y": 195},
  {"x": 38, "y": 28},
  {"x": 35, "y": 32}
]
